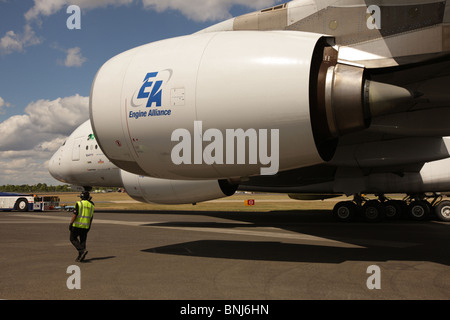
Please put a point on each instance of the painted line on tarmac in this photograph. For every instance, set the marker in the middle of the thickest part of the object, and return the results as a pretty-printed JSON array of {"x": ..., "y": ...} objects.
[{"x": 67, "y": 220}]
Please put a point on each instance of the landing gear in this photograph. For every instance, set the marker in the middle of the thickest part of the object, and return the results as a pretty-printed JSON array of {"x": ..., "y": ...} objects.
[
  {"x": 345, "y": 211},
  {"x": 373, "y": 211},
  {"x": 419, "y": 210},
  {"x": 442, "y": 210},
  {"x": 369, "y": 210},
  {"x": 394, "y": 209},
  {"x": 418, "y": 207}
]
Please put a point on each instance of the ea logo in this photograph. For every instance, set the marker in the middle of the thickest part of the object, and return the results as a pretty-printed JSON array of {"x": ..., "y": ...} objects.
[{"x": 151, "y": 89}]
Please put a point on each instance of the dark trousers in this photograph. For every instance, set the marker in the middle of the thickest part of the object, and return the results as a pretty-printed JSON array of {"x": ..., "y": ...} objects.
[{"x": 78, "y": 238}]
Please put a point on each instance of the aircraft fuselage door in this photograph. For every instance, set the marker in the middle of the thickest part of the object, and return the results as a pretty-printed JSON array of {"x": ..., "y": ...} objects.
[{"x": 76, "y": 149}]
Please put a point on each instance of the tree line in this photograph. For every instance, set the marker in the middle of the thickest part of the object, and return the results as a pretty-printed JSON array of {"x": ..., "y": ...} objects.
[
  {"x": 43, "y": 187},
  {"x": 40, "y": 187}
]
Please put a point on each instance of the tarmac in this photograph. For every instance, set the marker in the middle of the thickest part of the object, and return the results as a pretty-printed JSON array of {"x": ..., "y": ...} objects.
[{"x": 223, "y": 256}]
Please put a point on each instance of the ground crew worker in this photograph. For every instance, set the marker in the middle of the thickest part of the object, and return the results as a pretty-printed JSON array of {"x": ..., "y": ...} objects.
[{"x": 80, "y": 224}]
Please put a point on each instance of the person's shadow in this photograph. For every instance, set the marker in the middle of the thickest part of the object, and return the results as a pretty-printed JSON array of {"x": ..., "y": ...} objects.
[{"x": 99, "y": 258}]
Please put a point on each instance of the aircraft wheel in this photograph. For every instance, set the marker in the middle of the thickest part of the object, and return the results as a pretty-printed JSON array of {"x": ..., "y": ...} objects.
[
  {"x": 373, "y": 211},
  {"x": 393, "y": 209},
  {"x": 419, "y": 210},
  {"x": 22, "y": 205},
  {"x": 443, "y": 210},
  {"x": 345, "y": 211}
]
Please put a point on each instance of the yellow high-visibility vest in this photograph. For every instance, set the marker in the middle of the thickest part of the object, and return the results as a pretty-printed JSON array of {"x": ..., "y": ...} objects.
[{"x": 85, "y": 215}]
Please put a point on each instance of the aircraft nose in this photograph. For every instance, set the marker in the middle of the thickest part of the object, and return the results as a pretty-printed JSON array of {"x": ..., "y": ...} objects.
[{"x": 54, "y": 166}]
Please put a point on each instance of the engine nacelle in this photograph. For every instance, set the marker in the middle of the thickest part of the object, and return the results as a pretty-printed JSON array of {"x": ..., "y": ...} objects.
[
  {"x": 163, "y": 191},
  {"x": 227, "y": 105}
]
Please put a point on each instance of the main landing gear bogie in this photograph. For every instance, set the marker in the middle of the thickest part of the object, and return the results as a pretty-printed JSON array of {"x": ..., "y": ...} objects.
[
  {"x": 415, "y": 208},
  {"x": 349, "y": 211}
]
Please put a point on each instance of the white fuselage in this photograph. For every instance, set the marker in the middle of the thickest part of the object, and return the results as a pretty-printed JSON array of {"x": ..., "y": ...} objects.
[{"x": 80, "y": 161}]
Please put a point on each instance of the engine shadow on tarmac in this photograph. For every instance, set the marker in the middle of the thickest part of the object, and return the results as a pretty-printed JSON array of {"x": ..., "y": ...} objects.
[{"x": 393, "y": 240}]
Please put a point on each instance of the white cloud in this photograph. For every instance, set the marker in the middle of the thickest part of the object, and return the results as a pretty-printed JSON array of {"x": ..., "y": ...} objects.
[
  {"x": 29, "y": 140},
  {"x": 43, "y": 121},
  {"x": 74, "y": 58},
  {"x": 13, "y": 42},
  {"x": 29, "y": 166},
  {"x": 197, "y": 10},
  {"x": 200, "y": 10},
  {"x": 3, "y": 105},
  {"x": 44, "y": 8},
  {"x": 26, "y": 170}
]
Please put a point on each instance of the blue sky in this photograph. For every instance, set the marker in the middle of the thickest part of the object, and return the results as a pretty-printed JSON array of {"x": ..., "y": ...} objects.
[{"x": 46, "y": 69}]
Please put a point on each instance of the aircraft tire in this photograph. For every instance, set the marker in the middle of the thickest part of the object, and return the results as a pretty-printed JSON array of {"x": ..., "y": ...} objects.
[
  {"x": 419, "y": 210},
  {"x": 345, "y": 211},
  {"x": 373, "y": 211},
  {"x": 443, "y": 210},
  {"x": 393, "y": 209}
]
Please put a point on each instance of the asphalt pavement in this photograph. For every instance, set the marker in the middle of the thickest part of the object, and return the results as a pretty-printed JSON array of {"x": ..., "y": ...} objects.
[{"x": 225, "y": 256}]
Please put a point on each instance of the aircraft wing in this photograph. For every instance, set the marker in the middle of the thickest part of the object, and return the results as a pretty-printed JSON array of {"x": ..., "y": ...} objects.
[{"x": 388, "y": 34}]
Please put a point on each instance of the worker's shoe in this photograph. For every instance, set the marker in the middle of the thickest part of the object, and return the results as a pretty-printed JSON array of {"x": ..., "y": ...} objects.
[
  {"x": 79, "y": 257},
  {"x": 83, "y": 255}
]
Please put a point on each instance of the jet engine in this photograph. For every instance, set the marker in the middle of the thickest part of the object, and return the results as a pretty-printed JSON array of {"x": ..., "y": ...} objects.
[
  {"x": 230, "y": 105},
  {"x": 163, "y": 191}
]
